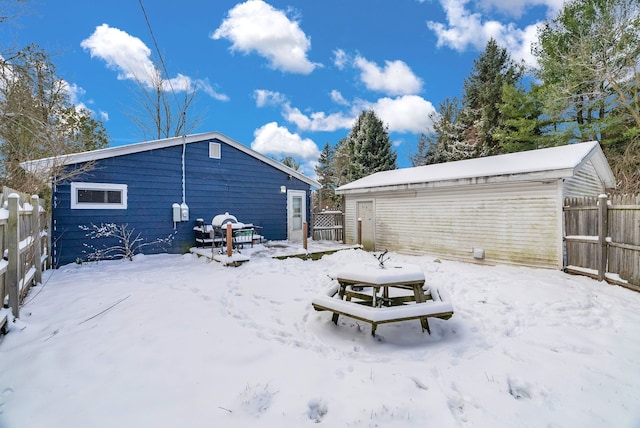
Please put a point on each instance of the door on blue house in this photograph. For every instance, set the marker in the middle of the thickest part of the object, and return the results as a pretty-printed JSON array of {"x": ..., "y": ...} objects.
[{"x": 296, "y": 214}]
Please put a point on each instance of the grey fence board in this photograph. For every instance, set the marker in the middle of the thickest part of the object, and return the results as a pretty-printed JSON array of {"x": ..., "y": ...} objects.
[{"x": 602, "y": 238}]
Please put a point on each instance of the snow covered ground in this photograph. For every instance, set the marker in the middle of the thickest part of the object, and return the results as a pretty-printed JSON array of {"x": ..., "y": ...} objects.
[{"x": 179, "y": 341}]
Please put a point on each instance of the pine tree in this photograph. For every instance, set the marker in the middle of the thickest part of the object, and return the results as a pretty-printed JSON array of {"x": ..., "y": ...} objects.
[
  {"x": 523, "y": 124},
  {"x": 291, "y": 163},
  {"x": 446, "y": 143},
  {"x": 480, "y": 113},
  {"x": 369, "y": 147},
  {"x": 341, "y": 160},
  {"x": 325, "y": 170},
  {"x": 588, "y": 60},
  {"x": 425, "y": 149}
]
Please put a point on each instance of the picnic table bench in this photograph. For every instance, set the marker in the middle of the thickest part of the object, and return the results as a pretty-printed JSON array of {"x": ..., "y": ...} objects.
[{"x": 382, "y": 294}]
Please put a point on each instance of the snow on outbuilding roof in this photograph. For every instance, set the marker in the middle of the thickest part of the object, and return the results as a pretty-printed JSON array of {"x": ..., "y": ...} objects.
[
  {"x": 541, "y": 164},
  {"x": 110, "y": 152}
]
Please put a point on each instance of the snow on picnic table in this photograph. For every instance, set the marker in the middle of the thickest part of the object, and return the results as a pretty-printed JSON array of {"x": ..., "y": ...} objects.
[{"x": 171, "y": 340}]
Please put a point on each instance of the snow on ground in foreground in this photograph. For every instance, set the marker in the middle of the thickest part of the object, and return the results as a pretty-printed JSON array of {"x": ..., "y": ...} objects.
[{"x": 169, "y": 340}]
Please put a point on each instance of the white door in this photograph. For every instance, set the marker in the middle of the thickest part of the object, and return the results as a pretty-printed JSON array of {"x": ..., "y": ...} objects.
[
  {"x": 296, "y": 214},
  {"x": 366, "y": 215}
]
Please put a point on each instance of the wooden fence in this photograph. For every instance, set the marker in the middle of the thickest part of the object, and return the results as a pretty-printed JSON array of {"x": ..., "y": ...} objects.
[
  {"x": 23, "y": 243},
  {"x": 327, "y": 225},
  {"x": 602, "y": 237}
]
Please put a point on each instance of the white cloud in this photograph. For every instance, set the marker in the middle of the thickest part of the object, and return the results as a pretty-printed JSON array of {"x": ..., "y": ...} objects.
[
  {"x": 337, "y": 98},
  {"x": 465, "y": 29},
  {"x": 182, "y": 83},
  {"x": 317, "y": 121},
  {"x": 204, "y": 85},
  {"x": 131, "y": 58},
  {"x": 409, "y": 113},
  {"x": 272, "y": 139},
  {"x": 255, "y": 26},
  {"x": 340, "y": 59},
  {"x": 309, "y": 169},
  {"x": 126, "y": 54},
  {"x": 75, "y": 94},
  {"x": 396, "y": 78},
  {"x": 517, "y": 7},
  {"x": 265, "y": 97},
  {"x": 521, "y": 51},
  {"x": 74, "y": 91}
]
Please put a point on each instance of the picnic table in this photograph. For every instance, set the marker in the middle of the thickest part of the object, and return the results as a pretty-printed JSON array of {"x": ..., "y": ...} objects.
[{"x": 378, "y": 293}]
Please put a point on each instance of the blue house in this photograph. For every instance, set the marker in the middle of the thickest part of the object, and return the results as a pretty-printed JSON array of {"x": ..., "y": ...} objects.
[{"x": 142, "y": 185}]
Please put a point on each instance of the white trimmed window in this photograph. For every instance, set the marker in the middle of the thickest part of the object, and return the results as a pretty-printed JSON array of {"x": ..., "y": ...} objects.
[{"x": 98, "y": 196}]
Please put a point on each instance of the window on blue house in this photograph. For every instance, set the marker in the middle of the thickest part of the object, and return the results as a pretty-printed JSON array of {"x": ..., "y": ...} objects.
[{"x": 102, "y": 196}]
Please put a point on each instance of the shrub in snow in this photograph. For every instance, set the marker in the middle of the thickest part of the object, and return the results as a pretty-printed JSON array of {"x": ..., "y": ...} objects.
[{"x": 122, "y": 242}]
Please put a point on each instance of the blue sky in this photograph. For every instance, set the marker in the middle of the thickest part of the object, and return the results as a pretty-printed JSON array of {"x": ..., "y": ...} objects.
[{"x": 283, "y": 77}]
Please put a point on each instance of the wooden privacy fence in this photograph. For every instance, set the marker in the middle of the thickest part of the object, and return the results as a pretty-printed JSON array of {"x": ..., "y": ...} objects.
[
  {"x": 602, "y": 237},
  {"x": 327, "y": 225},
  {"x": 23, "y": 244}
]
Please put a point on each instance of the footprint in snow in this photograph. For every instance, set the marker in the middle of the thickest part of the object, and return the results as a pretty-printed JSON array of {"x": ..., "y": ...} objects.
[{"x": 317, "y": 409}]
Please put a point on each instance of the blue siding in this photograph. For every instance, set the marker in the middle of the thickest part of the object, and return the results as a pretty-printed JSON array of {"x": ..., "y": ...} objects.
[{"x": 236, "y": 183}]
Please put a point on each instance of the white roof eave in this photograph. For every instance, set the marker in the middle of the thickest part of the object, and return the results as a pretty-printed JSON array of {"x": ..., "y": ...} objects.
[
  {"x": 540, "y": 176},
  {"x": 110, "y": 152}
]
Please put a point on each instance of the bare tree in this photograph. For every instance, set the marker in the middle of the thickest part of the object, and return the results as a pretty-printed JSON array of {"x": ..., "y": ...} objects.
[
  {"x": 11, "y": 9},
  {"x": 38, "y": 120},
  {"x": 164, "y": 106}
]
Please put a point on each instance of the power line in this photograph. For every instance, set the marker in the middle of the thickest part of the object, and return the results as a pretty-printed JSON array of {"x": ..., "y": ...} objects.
[{"x": 162, "y": 63}]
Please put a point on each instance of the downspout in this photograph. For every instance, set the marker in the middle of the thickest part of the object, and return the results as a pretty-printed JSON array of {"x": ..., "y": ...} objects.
[{"x": 184, "y": 208}]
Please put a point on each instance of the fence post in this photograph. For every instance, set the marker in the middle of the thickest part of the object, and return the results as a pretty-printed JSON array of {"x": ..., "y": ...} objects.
[
  {"x": 602, "y": 236},
  {"x": 229, "y": 240},
  {"x": 13, "y": 254},
  {"x": 359, "y": 231},
  {"x": 37, "y": 237},
  {"x": 305, "y": 230}
]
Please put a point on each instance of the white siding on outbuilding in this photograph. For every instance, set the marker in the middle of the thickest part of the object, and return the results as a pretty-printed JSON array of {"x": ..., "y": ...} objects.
[
  {"x": 508, "y": 216},
  {"x": 585, "y": 182},
  {"x": 512, "y": 223}
]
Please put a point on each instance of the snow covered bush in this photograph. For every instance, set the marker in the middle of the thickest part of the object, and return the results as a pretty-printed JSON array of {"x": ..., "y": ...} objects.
[{"x": 122, "y": 242}]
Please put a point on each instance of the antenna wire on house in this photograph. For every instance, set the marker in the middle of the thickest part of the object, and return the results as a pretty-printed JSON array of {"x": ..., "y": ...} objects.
[{"x": 155, "y": 43}]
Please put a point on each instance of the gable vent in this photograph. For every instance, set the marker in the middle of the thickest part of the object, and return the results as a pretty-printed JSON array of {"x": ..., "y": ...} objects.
[{"x": 214, "y": 150}]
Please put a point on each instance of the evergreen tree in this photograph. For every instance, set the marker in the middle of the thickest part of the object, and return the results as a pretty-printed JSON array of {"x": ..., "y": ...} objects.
[
  {"x": 480, "y": 113},
  {"x": 446, "y": 143},
  {"x": 291, "y": 163},
  {"x": 341, "y": 160},
  {"x": 425, "y": 149},
  {"x": 325, "y": 170},
  {"x": 369, "y": 147},
  {"x": 588, "y": 60},
  {"x": 523, "y": 126}
]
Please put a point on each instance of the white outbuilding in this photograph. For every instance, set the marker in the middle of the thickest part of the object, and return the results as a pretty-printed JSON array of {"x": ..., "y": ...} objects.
[{"x": 504, "y": 209}]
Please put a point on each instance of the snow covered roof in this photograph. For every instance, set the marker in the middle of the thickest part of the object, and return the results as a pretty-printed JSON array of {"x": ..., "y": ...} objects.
[
  {"x": 541, "y": 164},
  {"x": 110, "y": 152}
]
